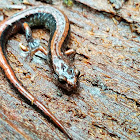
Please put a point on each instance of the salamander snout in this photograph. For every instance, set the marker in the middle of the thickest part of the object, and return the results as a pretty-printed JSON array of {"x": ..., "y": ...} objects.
[{"x": 68, "y": 80}]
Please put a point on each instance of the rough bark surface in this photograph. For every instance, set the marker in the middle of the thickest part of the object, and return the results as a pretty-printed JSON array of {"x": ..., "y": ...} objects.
[{"x": 106, "y": 104}]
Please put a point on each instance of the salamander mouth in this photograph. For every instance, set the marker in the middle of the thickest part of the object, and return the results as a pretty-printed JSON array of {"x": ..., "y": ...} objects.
[
  {"x": 71, "y": 87},
  {"x": 68, "y": 86}
]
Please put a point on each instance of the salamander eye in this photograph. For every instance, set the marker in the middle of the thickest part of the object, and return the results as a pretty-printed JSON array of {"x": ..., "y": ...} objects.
[
  {"x": 62, "y": 79},
  {"x": 77, "y": 72},
  {"x": 70, "y": 71}
]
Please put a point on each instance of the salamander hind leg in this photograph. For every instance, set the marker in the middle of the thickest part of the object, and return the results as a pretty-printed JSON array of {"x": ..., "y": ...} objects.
[{"x": 34, "y": 44}]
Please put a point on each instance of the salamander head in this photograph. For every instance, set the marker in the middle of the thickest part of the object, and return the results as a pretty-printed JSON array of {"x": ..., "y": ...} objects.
[{"x": 67, "y": 75}]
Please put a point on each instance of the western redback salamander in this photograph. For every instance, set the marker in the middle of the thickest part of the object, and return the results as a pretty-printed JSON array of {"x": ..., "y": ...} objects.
[{"x": 58, "y": 24}]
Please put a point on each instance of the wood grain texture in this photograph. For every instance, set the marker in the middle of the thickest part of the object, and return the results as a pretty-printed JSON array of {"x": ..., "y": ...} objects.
[{"x": 106, "y": 104}]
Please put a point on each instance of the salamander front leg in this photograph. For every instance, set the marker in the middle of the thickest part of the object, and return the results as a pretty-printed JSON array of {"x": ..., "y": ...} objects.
[
  {"x": 34, "y": 44},
  {"x": 69, "y": 52}
]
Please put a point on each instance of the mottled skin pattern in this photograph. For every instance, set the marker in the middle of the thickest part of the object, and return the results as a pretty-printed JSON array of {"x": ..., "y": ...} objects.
[{"x": 58, "y": 24}]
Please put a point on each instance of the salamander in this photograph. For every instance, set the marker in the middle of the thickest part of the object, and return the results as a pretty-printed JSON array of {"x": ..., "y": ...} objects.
[{"x": 58, "y": 24}]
